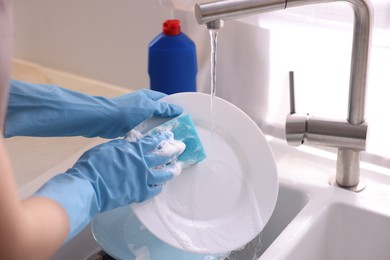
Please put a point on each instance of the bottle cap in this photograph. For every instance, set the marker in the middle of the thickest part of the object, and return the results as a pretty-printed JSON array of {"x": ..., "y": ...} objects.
[{"x": 171, "y": 27}]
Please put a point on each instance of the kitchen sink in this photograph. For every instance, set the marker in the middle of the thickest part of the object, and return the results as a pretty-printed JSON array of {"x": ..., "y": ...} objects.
[{"x": 345, "y": 232}]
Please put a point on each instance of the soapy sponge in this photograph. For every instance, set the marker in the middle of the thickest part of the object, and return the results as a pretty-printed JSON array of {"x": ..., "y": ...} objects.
[{"x": 184, "y": 130}]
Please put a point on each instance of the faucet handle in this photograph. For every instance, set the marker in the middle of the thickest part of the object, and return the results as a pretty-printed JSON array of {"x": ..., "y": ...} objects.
[
  {"x": 304, "y": 128},
  {"x": 296, "y": 124},
  {"x": 292, "y": 92}
]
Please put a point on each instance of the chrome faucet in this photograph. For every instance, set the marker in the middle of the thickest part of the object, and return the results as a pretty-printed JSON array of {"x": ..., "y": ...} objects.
[{"x": 349, "y": 135}]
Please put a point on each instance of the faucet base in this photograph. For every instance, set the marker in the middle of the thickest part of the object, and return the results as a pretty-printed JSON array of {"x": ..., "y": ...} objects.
[{"x": 358, "y": 188}]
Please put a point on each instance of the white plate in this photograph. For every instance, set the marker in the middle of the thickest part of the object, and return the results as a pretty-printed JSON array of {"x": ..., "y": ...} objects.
[
  {"x": 223, "y": 202},
  {"x": 122, "y": 236}
]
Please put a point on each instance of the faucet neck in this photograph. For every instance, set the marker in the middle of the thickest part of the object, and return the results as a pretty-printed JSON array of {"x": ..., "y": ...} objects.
[
  {"x": 360, "y": 53},
  {"x": 208, "y": 13}
]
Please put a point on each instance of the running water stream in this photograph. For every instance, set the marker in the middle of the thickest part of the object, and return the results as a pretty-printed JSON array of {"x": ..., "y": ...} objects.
[
  {"x": 213, "y": 59},
  {"x": 253, "y": 248}
]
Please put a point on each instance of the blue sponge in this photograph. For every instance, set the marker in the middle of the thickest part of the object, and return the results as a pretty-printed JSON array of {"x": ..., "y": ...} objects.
[{"x": 184, "y": 130}]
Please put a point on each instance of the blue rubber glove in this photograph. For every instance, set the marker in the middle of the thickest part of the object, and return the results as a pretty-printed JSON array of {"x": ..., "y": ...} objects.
[
  {"x": 112, "y": 175},
  {"x": 47, "y": 110}
]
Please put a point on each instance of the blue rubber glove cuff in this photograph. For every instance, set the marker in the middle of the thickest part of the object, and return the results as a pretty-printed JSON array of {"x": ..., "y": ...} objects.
[{"x": 76, "y": 196}]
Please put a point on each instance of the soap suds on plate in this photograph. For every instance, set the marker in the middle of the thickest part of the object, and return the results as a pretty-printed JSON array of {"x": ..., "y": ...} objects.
[{"x": 166, "y": 148}]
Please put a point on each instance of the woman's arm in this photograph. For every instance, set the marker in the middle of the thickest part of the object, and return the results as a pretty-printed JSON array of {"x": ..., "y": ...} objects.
[
  {"x": 48, "y": 110},
  {"x": 31, "y": 229},
  {"x": 110, "y": 175}
]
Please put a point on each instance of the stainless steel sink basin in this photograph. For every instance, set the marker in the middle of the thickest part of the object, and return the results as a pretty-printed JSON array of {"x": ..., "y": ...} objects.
[{"x": 289, "y": 203}]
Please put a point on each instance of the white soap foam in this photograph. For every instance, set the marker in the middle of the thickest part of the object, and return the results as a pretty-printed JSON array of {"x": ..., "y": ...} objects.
[
  {"x": 166, "y": 148},
  {"x": 133, "y": 135},
  {"x": 170, "y": 147},
  {"x": 173, "y": 167},
  {"x": 141, "y": 253}
]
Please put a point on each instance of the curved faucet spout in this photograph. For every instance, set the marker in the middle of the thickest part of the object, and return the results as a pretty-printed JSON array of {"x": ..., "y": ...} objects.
[
  {"x": 348, "y": 157},
  {"x": 233, "y": 9},
  {"x": 360, "y": 51}
]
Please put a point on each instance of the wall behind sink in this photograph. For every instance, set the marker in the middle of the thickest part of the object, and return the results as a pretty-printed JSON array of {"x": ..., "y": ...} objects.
[
  {"x": 108, "y": 40},
  {"x": 102, "y": 39}
]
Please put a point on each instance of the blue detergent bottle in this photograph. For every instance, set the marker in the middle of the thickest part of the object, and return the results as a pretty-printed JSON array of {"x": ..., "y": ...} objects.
[{"x": 172, "y": 64}]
